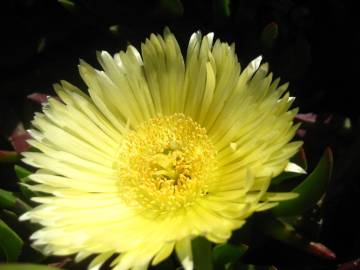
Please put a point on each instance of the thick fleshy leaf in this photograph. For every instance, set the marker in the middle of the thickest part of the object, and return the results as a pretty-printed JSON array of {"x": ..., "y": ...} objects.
[
  {"x": 284, "y": 232},
  {"x": 10, "y": 201},
  {"x": 69, "y": 5},
  {"x": 19, "y": 137},
  {"x": 22, "y": 175},
  {"x": 21, "y": 172},
  {"x": 202, "y": 256},
  {"x": 27, "y": 193},
  {"x": 279, "y": 230},
  {"x": 173, "y": 7},
  {"x": 7, "y": 199},
  {"x": 310, "y": 190},
  {"x": 306, "y": 117},
  {"x": 321, "y": 250},
  {"x": 222, "y": 8},
  {"x": 225, "y": 254},
  {"x": 38, "y": 97},
  {"x": 25, "y": 266},
  {"x": 8, "y": 156},
  {"x": 352, "y": 265},
  {"x": 269, "y": 35},
  {"x": 10, "y": 243}
]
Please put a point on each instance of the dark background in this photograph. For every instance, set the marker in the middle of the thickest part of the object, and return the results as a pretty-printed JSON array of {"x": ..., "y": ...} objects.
[{"x": 316, "y": 49}]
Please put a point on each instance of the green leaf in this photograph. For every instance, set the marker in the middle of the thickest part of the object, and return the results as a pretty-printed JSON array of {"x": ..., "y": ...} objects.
[
  {"x": 227, "y": 253},
  {"x": 69, "y": 5},
  {"x": 174, "y": 7},
  {"x": 310, "y": 190},
  {"x": 21, "y": 172},
  {"x": 27, "y": 193},
  {"x": 222, "y": 8},
  {"x": 7, "y": 199},
  {"x": 10, "y": 243},
  {"x": 8, "y": 156},
  {"x": 2, "y": 255},
  {"x": 25, "y": 266},
  {"x": 9, "y": 217},
  {"x": 202, "y": 256},
  {"x": 269, "y": 35},
  {"x": 278, "y": 229}
]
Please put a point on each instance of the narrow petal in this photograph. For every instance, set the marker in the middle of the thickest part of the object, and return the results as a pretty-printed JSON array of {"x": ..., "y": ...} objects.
[{"x": 184, "y": 253}]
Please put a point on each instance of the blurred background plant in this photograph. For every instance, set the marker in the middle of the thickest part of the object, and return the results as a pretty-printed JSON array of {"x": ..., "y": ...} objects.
[{"x": 312, "y": 44}]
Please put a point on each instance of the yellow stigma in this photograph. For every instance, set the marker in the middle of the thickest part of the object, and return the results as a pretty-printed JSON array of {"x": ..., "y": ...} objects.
[{"x": 165, "y": 164}]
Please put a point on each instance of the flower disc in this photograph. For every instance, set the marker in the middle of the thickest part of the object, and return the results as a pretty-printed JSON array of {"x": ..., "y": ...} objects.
[{"x": 165, "y": 164}]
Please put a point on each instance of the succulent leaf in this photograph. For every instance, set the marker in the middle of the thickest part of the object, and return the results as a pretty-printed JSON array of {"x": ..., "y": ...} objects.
[
  {"x": 10, "y": 243},
  {"x": 310, "y": 190}
]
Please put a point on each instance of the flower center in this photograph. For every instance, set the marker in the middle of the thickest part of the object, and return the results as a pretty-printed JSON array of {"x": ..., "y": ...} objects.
[{"x": 165, "y": 163}]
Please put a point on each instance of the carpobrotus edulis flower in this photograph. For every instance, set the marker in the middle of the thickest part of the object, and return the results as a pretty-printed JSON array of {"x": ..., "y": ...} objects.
[{"x": 161, "y": 151}]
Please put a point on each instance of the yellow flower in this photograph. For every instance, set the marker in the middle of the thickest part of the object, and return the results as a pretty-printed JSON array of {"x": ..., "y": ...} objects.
[{"x": 161, "y": 151}]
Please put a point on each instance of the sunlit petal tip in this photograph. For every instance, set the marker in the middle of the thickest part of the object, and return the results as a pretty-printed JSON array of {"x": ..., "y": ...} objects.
[
  {"x": 25, "y": 216},
  {"x": 82, "y": 256},
  {"x": 293, "y": 167},
  {"x": 210, "y": 37},
  {"x": 99, "y": 260},
  {"x": 255, "y": 64}
]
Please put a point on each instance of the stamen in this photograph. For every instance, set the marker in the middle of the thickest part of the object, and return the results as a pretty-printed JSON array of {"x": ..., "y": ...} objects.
[{"x": 165, "y": 164}]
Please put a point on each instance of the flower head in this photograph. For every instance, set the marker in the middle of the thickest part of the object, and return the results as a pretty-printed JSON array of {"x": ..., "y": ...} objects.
[{"x": 161, "y": 151}]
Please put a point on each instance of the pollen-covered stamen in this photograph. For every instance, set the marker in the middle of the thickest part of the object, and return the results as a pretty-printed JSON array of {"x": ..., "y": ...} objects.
[{"x": 165, "y": 163}]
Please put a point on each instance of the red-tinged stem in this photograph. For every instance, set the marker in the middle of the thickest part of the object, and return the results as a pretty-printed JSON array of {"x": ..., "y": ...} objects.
[
  {"x": 38, "y": 97},
  {"x": 19, "y": 138},
  {"x": 306, "y": 117},
  {"x": 353, "y": 265},
  {"x": 8, "y": 156},
  {"x": 62, "y": 263},
  {"x": 321, "y": 250}
]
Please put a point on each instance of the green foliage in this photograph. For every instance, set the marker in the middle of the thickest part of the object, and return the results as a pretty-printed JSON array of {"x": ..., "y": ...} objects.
[
  {"x": 226, "y": 255},
  {"x": 269, "y": 35},
  {"x": 310, "y": 190},
  {"x": 279, "y": 230},
  {"x": 7, "y": 199},
  {"x": 10, "y": 243},
  {"x": 173, "y": 7},
  {"x": 69, "y": 5},
  {"x": 222, "y": 8},
  {"x": 21, "y": 172},
  {"x": 202, "y": 256},
  {"x": 284, "y": 232},
  {"x": 22, "y": 175},
  {"x": 8, "y": 156}
]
